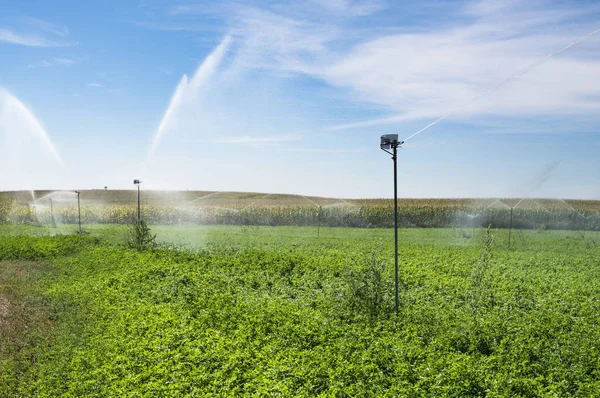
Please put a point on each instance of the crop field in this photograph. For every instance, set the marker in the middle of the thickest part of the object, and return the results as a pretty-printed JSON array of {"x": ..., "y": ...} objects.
[
  {"x": 240, "y": 310},
  {"x": 301, "y": 277},
  {"x": 51, "y": 208}
]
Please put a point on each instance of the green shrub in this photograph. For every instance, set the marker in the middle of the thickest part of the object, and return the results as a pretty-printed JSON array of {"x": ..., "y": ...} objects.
[{"x": 140, "y": 237}]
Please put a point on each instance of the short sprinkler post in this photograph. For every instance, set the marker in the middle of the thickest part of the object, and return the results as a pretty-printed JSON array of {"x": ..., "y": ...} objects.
[
  {"x": 319, "y": 222},
  {"x": 79, "y": 210},
  {"x": 139, "y": 212},
  {"x": 52, "y": 213},
  {"x": 389, "y": 143},
  {"x": 510, "y": 226}
]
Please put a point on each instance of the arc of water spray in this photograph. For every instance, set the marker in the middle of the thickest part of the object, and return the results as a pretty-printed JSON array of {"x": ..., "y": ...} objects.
[
  {"x": 203, "y": 197},
  {"x": 13, "y": 104},
  {"x": 505, "y": 81},
  {"x": 497, "y": 201},
  {"x": 262, "y": 197},
  {"x": 188, "y": 88},
  {"x": 313, "y": 202}
]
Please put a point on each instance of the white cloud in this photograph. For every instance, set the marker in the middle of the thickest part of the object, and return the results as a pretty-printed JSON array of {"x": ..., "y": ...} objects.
[
  {"x": 35, "y": 32},
  {"x": 63, "y": 61},
  {"x": 66, "y": 62},
  {"x": 95, "y": 85},
  {"x": 41, "y": 64},
  {"x": 45, "y": 26},
  {"x": 258, "y": 140},
  {"x": 406, "y": 75},
  {"x": 424, "y": 74},
  {"x": 8, "y": 36},
  {"x": 348, "y": 8}
]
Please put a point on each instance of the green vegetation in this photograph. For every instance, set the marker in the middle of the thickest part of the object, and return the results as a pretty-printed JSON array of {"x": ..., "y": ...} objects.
[
  {"x": 257, "y": 209},
  {"x": 278, "y": 311},
  {"x": 140, "y": 237}
]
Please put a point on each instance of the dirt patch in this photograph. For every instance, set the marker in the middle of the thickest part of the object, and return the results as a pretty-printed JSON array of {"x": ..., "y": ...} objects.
[
  {"x": 4, "y": 310},
  {"x": 18, "y": 315}
]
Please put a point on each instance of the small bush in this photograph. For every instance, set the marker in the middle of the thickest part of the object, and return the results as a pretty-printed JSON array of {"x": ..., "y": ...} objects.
[
  {"x": 140, "y": 236},
  {"x": 368, "y": 290}
]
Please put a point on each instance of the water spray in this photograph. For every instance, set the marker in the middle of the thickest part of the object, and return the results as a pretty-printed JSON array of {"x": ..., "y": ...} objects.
[
  {"x": 318, "y": 214},
  {"x": 390, "y": 142},
  {"x": 202, "y": 197}
]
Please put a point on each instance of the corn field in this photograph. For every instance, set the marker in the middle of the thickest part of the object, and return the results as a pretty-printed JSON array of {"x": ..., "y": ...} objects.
[{"x": 284, "y": 211}]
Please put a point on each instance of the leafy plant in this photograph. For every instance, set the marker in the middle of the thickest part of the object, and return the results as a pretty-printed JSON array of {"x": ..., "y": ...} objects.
[
  {"x": 368, "y": 290},
  {"x": 140, "y": 236},
  {"x": 481, "y": 274}
]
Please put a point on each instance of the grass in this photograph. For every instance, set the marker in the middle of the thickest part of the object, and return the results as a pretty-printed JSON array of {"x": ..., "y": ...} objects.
[{"x": 280, "y": 311}]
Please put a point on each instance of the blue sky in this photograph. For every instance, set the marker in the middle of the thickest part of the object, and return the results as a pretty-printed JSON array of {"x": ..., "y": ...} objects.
[{"x": 292, "y": 96}]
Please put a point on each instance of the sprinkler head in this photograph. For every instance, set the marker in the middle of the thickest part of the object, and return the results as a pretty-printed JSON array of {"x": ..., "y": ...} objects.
[{"x": 389, "y": 141}]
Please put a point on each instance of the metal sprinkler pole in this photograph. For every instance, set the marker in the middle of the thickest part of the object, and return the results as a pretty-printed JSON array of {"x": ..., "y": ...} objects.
[
  {"x": 139, "y": 212},
  {"x": 52, "y": 213},
  {"x": 390, "y": 141},
  {"x": 510, "y": 227},
  {"x": 79, "y": 210},
  {"x": 394, "y": 157},
  {"x": 319, "y": 223}
]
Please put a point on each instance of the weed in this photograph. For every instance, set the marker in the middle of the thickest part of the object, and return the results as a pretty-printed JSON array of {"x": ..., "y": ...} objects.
[{"x": 140, "y": 236}]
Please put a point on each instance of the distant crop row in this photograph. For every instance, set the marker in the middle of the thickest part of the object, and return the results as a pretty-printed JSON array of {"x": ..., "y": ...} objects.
[{"x": 363, "y": 216}]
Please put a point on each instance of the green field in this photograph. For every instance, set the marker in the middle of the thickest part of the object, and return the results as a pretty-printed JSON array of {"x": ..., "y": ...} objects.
[{"x": 279, "y": 311}]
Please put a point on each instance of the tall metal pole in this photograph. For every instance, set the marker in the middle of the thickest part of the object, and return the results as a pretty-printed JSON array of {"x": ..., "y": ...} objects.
[
  {"x": 319, "y": 222},
  {"x": 52, "y": 213},
  {"x": 510, "y": 227},
  {"x": 394, "y": 157},
  {"x": 139, "y": 212},
  {"x": 79, "y": 210},
  {"x": 390, "y": 141}
]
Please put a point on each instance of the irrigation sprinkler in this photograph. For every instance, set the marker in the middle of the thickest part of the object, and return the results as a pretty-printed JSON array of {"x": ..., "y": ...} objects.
[
  {"x": 390, "y": 142},
  {"x": 510, "y": 226},
  {"x": 319, "y": 222},
  {"x": 52, "y": 213},
  {"x": 139, "y": 213},
  {"x": 79, "y": 210}
]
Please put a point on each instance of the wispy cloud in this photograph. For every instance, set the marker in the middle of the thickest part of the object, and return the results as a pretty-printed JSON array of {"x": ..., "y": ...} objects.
[
  {"x": 258, "y": 140},
  {"x": 349, "y": 8},
  {"x": 34, "y": 32},
  {"x": 63, "y": 61},
  {"x": 292, "y": 62},
  {"x": 48, "y": 27},
  {"x": 424, "y": 74},
  {"x": 66, "y": 62},
  {"x": 325, "y": 150},
  {"x": 95, "y": 85},
  {"x": 41, "y": 64},
  {"x": 31, "y": 40}
]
